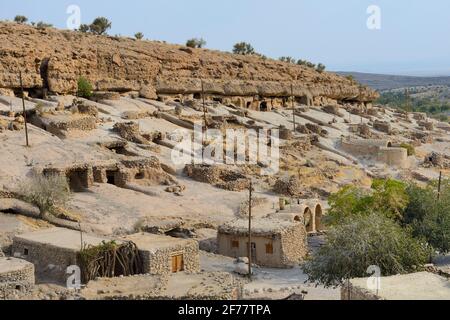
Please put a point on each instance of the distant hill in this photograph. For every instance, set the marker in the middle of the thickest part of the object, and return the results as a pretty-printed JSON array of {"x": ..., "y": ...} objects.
[{"x": 382, "y": 82}]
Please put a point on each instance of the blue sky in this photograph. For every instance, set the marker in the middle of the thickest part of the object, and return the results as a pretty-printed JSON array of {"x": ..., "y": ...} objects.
[{"x": 414, "y": 36}]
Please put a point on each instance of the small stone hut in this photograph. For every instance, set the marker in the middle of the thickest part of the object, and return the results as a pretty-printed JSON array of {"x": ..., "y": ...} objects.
[
  {"x": 16, "y": 277},
  {"x": 165, "y": 255},
  {"x": 52, "y": 250},
  {"x": 275, "y": 243}
]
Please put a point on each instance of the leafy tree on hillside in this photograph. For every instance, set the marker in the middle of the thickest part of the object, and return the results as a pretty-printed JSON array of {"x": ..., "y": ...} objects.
[
  {"x": 243, "y": 48},
  {"x": 139, "y": 35},
  {"x": 20, "y": 19},
  {"x": 196, "y": 43},
  {"x": 100, "y": 25},
  {"x": 320, "y": 68}
]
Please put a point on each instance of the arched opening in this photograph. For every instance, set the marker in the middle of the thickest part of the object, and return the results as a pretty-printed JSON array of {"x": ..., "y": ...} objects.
[
  {"x": 249, "y": 104},
  {"x": 263, "y": 106},
  {"x": 318, "y": 217},
  {"x": 389, "y": 144},
  {"x": 219, "y": 100},
  {"x": 308, "y": 220},
  {"x": 197, "y": 96}
]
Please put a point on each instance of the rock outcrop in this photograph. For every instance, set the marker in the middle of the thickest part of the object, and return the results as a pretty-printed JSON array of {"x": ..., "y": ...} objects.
[{"x": 54, "y": 60}]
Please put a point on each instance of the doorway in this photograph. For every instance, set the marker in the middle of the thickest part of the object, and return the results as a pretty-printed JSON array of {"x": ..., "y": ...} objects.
[{"x": 177, "y": 263}]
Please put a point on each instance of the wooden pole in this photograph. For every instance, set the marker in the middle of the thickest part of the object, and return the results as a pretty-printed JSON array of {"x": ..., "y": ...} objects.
[
  {"x": 439, "y": 185},
  {"x": 250, "y": 231},
  {"x": 23, "y": 106},
  {"x": 293, "y": 106}
]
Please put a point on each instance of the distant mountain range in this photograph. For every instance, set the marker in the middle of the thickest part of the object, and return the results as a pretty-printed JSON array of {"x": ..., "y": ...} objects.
[{"x": 383, "y": 82}]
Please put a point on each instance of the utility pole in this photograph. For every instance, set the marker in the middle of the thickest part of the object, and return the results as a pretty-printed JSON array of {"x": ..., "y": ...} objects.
[
  {"x": 205, "y": 128},
  {"x": 439, "y": 185},
  {"x": 250, "y": 231},
  {"x": 23, "y": 105},
  {"x": 293, "y": 105}
]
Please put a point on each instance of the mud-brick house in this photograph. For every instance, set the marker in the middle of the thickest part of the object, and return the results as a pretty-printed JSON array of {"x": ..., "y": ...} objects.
[
  {"x": 276, "y": 243},
  {"x": 53, "y": 250},
  {"x": 165, "y": 255}
]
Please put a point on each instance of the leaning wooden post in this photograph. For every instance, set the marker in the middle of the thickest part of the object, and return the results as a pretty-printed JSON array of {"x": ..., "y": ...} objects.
[
  {"x": 439, "y": 185},
  {"x": 293, "y": 105},
  {"x": 23, "y": 105},
  {"x": 250, "y": 231}
]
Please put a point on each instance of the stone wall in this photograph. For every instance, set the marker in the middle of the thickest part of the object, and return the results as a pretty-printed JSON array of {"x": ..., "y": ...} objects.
[
  {"x": 159, "y": 261},
  {"x": 289, "y": 247},
  {"x": 50, "y": 262},
  {"x": 16, "y": 278},
  {"x": 350, "y": 292},
  {"x": 393, "y": 156}
]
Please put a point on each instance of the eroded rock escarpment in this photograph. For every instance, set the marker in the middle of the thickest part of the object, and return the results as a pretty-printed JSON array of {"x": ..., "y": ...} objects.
[{"x": 54, "y": 59}]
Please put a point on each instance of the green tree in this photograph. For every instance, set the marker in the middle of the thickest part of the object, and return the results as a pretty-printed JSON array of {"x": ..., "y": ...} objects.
[
  {"x": 320, "y": 68},
  {"x": 84, "y": 28},
  {"x": 243, "y": 48},
  {"x": 362, "y": 241},
  {"x": 196, "y": 43},
  {"x": 387, "y": 197},
  {"x": 428, "y": 216},
  {"x": 410, "y": 148},
  {"x": 100, "y": 25},
  {"x": 139, "y": 35},
  {"x": 84, "y": 88},
  {"x": 20, "y": 19}
]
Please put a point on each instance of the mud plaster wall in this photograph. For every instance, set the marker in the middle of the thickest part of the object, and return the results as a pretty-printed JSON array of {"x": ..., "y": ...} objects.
[{"x": 159, "y": 261}]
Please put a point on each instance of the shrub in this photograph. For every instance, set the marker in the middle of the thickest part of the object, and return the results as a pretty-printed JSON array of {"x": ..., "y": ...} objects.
[
  {"x": 100, "y": 25},
  {"x": 20, "y": 19},
  {"x": 84, "y": 28},
  {"x": 410, "y": 148},
  {"x": 243, "y": 48},
  {"x": 320, "y": 68},
  {"x": 84, "y": 88},
  {"x": 362, "y": 241},
  {"x": 43, "y": 25},
  {"x": 139, "y": 36},
  {"x": 48, "y": 193},
  {"x": 195, "y": 43},
  {"x": 287, "y": 59}
]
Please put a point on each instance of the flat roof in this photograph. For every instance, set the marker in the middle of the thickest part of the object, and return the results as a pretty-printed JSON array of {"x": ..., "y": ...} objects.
[
  {"x": 61, "y": 238},
  {"x": 12, "y": 264},
  {"x": 259, "y": 226},
  {"x": 414, "y": 286},
  {"x": 153, "y": 242}
]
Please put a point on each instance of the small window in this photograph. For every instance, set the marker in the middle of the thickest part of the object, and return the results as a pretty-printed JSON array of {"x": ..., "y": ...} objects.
[
  {"x": 25, "y": 252},
  {"x": 269, "y": 248},
  {"x": 235, "y": 244}
]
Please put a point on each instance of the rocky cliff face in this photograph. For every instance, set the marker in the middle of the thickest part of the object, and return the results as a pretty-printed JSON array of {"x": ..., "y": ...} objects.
[{"x": 55, "y": 59}]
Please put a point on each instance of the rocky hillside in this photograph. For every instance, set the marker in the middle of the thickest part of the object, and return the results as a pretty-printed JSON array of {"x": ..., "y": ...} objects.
[{"x": 55, "y": 59}]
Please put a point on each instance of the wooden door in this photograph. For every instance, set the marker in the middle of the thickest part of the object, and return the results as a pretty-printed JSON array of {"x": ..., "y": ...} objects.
[{"x": 177, "y": 263}]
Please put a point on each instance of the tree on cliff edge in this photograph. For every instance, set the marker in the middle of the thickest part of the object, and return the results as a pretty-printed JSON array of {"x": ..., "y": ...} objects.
[
  {"x": 100, "y": 25},
  {"x": 243, "y": 48},
  {"x": 20, "y": 19}
]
